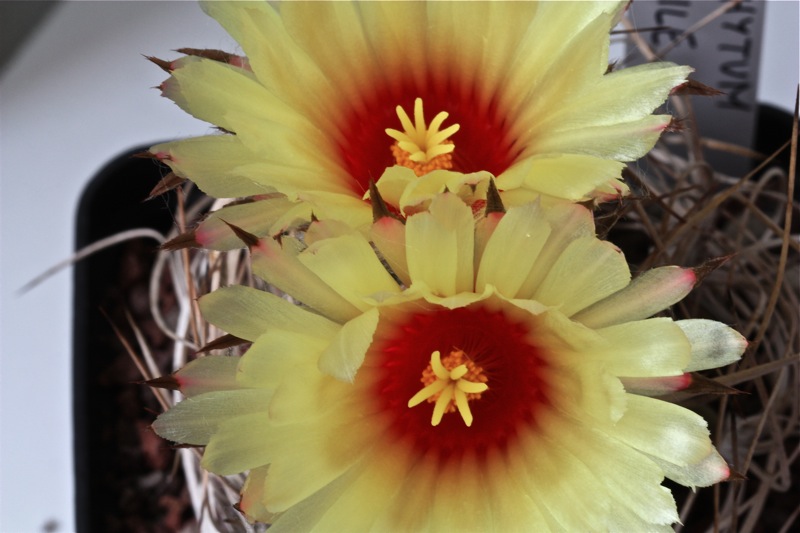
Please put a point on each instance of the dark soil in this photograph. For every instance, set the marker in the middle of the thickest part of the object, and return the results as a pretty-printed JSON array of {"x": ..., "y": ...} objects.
[{"x": 125, "y": 474}]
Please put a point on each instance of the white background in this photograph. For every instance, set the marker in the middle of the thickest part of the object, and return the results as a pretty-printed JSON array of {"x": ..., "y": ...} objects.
[{"x": 76, "y": 96}]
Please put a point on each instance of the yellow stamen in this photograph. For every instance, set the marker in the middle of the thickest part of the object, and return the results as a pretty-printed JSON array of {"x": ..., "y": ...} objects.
[
  {"x": 452, "y": 383},
  {"x": 419, "y": 147}
]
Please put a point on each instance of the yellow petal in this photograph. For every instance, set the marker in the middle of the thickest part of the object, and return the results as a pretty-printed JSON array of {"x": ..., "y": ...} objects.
[
  {"x": 559, "y": 483},
  {"x": 370, "y": 493},
  {"x": 624, "y": 141},
  {"x": 416, "y": 491},
  {"x": 584, "y": 57},
  {"x": 337, "y": 44},
  {"x": 285, "y": 271},
  {"x": 621, "y": 96},
  {"x": 343, "y": 357},
  {"x": 645, "y": 348},
  {"x": 277, "y": 61},
  {"x": 257, "y": 217},
  {"x": 195, "y": 420},
  {"x": 275, "y": 355},
  {"x": 512, "y": 250},
  {"x": 631, "y": 479},
  {"x": 542, "y": 50},
  {"x": 567, "y": 223},
  {"x": 232, "y": 98},
  {"x": 306, "y": 514},
  {"x": 713, "y": 344},
  {"x": 212, "y": 162},
  {"x": 511, "y": 503},
  {"x": 588, "y": 270},
  {"x": 664, "y": 430},
  {"x": 333, "y": 260},
  {"x": 460, "y": 502},
  {"x": 568, "y": 176},
  {"x": 239, "y": 444},
  {"x": 647, "y": 294},
  {"x": 307, "y": 457},
  {"x": 440, "y": 246},
  {"x": 248, "y": 313}
]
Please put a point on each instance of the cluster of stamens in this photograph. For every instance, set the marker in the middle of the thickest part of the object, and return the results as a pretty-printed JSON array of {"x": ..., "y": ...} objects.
[
  {"x": 422, "y": 147},
  {"x": 452, "y": 383}
]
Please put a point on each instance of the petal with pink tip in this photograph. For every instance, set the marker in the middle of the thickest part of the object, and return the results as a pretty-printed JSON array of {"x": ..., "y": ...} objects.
[{"x": 647, "y": 294}]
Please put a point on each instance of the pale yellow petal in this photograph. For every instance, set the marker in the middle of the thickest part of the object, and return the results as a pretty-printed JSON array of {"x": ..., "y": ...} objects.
[
  {"x": 304, "y": 515},
  {"x": 484, "y": 228},
  {"x": 645, "y": 348},
  {"x": 343, "y": 357},
  {"x": 397, "y": 34},
  {"x": 624, "y": 520},
  {"x": 349, "y": 209},
  {"x": 574, "y": 63},
  {"x": 195, "y": 420},
  {"x": 631, "y": 479},
  {"x": 420, "y": 191},
  {"x": 337, "y": 43},
  {"x": 304, "y": 458},
  {"x": 212, "y": 163},
  {"x": 624, "y": 141},
  {"x": 291, "y": 171},
  {"x": 248, "y": 313},
  {"x": 567, "y": 223},
  {"x": 540, "y": 51},
  {"x": 512, "y": 505},
  {"x": 285, "y": 271},
  {"x": 320, "y": 230},
  {"x": 512, "y": 250},
  {"x": 416, "y": 491},
  {"x": 333, "y": 261},
  {"x": 440, "y": 246},
  {"x": 587, "y": 271},
  {"x": 664, "y": 430},
  {"x": 238, "y": 444},
  {"x": 558, "y": 483},
  {"x": 275, "y": 355},
  {"x": 569, "y": 176},
  {"x": 586, "y": 392},
  {"x": 307, "y": 396},
  {"x": 460, "y": 503},
  {"x": 232, "y": 98},
  {"x": 620, "y": 96},
  {"x": 647, "y": 294},
  {"x": 278, "y": 63},
  {"x": 371, "y": 493},
  {"x": 713, "y": 344},
  {"x": 393, "y": 183}
]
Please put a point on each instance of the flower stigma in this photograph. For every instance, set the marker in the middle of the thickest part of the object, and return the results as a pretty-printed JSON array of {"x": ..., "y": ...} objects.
[
  {"x": 419, "y": 147},
  {"x": 452, "y": 383}
]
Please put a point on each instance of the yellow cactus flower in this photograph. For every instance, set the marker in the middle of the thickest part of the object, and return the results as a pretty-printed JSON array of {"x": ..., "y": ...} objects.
[
  {"x": 454, "y": 374},
  {"x": 417, "y": 96}
]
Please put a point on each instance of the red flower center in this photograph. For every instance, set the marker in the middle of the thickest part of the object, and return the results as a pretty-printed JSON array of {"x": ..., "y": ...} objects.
[
  {"x": 498, "y": 342},
  {"x": 483, "y": 142}
]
